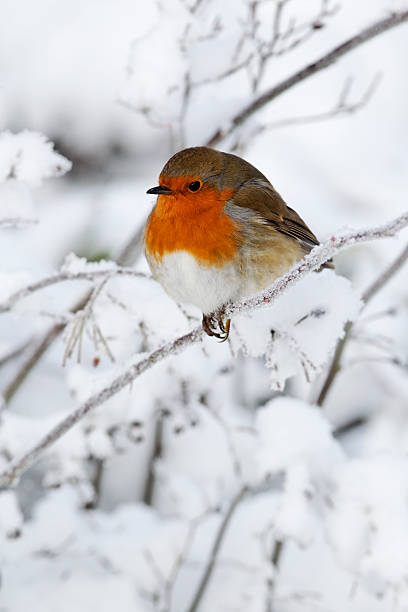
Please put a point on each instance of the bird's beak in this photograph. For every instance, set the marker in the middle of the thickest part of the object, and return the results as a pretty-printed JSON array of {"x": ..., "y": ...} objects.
[{"x": 159, "y": 190}]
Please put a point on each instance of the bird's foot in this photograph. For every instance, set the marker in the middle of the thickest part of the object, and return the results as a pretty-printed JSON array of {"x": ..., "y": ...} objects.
[{"x": 213, "y": 325}]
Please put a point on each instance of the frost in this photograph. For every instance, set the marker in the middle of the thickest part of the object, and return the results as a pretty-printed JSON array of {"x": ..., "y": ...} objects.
[
  {"x": 318, "y": 306},
  {"x": 29, "y": 157},
  {"x": 196, "y": 469}
]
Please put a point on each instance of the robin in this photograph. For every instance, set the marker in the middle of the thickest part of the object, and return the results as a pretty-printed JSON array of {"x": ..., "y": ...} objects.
[{"x": 218, "y": 232}]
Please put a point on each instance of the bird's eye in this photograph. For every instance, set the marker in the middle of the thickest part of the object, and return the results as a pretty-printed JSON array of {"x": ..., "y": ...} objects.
[{"x": 194, "y": 186}]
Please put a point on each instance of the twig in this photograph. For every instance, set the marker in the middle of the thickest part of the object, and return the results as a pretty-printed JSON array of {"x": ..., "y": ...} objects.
[
  {"x": 354, "y": 423},
  {"x": 313, "y": 261},
  {"x": 209, "y": 568},
  {"x": 275, "y": 560},
  {"x": 78, "y": 326},
  {"x": 316, "y": 258},
  {"x": 368, "y": 294},
  {"x": 383, "y": 279},
  {"x": 155, "y": 454},
  {"x": 37, "y": 352},
  {"x": 321, "y": 64},
  {"x": 325, "y": 61},
  {"x": 61, "y": 277},
  {"x": 342, "y": 108}
]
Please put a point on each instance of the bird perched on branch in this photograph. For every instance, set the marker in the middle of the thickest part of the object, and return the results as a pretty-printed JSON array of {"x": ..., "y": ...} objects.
[{"x": 218, "y": 232}]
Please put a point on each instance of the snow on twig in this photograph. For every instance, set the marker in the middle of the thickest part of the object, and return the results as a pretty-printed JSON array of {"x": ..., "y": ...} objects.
[
  {"x": 66, "y": 276},
  {"x": 316, "y": 258}
]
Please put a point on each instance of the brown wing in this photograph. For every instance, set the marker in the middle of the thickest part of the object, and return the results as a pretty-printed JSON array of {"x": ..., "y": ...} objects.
[{"x": 261, "y": 198}]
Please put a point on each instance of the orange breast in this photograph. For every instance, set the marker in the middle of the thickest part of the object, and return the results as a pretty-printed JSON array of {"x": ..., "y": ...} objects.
[{"x": 194, "y": 223}]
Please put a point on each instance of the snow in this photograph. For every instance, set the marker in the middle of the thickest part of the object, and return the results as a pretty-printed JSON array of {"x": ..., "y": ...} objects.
[
  {"x": 11, "y": 518},
  {"x": 75, "y": 265},
  {"x": 29, "y": 157},
  {"x": 285, "y": 333},
  {"x": 126, "y": 509}
]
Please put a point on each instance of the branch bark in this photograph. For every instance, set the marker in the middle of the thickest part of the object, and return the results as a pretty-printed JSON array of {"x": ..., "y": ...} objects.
[
  {"x": 322, "y": 63},
  {"x": 313, "y": 261}
]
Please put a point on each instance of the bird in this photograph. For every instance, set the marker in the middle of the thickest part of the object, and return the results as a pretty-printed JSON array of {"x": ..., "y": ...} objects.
[{"x": 219, "y": 231}]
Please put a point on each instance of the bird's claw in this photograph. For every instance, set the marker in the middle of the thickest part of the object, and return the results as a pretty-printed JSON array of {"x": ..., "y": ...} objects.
[{"x": 213, "y": 325}]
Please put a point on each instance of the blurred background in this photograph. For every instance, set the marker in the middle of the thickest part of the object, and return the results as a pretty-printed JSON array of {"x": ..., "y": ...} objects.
[{"x": 120, "y": 86}]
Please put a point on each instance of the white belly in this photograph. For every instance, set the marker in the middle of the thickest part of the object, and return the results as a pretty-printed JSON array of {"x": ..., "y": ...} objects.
[{"x": 187, "y": 281}]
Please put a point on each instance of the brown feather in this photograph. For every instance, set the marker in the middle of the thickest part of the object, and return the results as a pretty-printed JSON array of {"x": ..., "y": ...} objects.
[{"x": 259, "y": 196}]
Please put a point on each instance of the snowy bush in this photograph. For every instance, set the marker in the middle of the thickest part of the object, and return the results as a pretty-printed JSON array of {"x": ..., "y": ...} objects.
[
  {"x": 143, "y": 465},
  {"x": 25, "y": 160}
]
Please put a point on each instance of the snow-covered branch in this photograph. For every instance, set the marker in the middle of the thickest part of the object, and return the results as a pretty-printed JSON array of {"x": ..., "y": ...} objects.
[
  {"x": 316, "y": 258},
  {"x": 313, "y": 261},
  {"x": 60, "y": 277}
]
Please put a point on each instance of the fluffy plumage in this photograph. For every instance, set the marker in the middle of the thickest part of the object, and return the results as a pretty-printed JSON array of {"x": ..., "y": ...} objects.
[{"x": 231, "y": 237}]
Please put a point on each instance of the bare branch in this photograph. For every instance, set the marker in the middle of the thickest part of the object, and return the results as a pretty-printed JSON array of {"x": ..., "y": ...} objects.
[
  {"x": 313, "y": 261},
  {"x": 322, "y": 63},
  {"x": 368, "y": 294},
  {"x": 215, "y": 550},
  {"x": 343, "y": 107}
]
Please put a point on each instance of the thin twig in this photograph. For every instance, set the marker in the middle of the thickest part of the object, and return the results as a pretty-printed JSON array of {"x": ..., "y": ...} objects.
[
  {"x": 321, "y": 64},
  {"x": 276, "y": 556},
  {"x": 210, "y": 565},
  {"x": 313, "y": 261},
  {"x": 342, "y": 108},
  {"x": 40, "y": 346},
  {"x": 61, "y": 277},
  {"x": 383, "y": 279},
  {"x": 368, "y": 294},
  {"x": 155, "y": 454}
]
